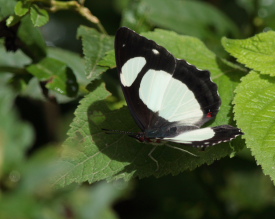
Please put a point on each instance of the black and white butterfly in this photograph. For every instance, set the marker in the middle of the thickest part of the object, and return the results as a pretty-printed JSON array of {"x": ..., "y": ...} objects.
[{"x": 169, "y": 98}]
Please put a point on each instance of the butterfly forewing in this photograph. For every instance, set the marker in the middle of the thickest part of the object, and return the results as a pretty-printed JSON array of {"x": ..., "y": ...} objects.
[{"x": 135, "y": 56}]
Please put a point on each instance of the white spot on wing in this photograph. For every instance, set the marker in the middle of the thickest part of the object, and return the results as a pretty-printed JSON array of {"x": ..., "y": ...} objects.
[
  {"x": 194, "y": 135},
  {"x": 130, "y": 70},
  {"x": 170, "y": 97},
  {"x": 156, "y": 52},
  {"x": 152, "y": 88}
]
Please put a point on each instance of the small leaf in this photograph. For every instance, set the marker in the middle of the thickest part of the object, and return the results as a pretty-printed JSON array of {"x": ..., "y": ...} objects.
[
  {"x": 57, "y": 75},
  {"x": 12, "y": 20},
  {"x": 39, "y": 16},
  {"x": 22, "y": 8},
  {"x": 32, "y": 37},
  {"x": 74, "y": 61},
  {"x": 254, "y": 113},
  {"x": 257, "y": 52},
  {"x": 95, "y": 45}
]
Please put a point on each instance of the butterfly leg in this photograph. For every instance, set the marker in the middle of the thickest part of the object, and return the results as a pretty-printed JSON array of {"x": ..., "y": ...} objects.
[
  {"x": 152, "y": 158},
  {"x": 185, "y": 151}
]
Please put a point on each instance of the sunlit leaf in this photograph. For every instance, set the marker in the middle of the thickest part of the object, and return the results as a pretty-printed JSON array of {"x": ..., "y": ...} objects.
[
  {"x": 257, "y": 52},
  {"x": 56, "y": 75},
  {"x": 254, "y": 112},
  {"x": 39, "y": 16},
  {"x": 22, "y": 8},
  {"x": 95, "y": 45}
]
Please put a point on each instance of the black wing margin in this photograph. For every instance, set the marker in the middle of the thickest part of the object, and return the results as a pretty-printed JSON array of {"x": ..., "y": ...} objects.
[
  {"x": 223, "y": 133},
  {"x": 204, "y": 89}
]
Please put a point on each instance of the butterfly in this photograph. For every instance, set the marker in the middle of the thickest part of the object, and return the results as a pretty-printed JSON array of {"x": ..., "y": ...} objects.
[{"x": 168, "y": 98}]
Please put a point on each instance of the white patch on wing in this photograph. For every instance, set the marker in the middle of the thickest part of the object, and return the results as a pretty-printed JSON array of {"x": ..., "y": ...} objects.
[
  {"x": 130, "y": 70},
  {"x": 170, "y": 97},
  {"x": 152, "y": 88},
  {"x": 156, "y": 52},
  {"x": 194, "y": 135}
]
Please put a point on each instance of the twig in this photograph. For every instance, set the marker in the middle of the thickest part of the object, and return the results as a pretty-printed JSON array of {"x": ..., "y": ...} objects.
[{"x": 54, "y": 6}]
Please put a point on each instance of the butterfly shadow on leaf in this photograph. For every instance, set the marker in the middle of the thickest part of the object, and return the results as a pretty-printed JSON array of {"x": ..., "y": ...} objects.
[{"x": 120, "y": 154}]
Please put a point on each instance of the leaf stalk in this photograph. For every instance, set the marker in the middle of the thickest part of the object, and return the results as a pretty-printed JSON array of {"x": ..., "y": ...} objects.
[{"x": 54, "y": 6}]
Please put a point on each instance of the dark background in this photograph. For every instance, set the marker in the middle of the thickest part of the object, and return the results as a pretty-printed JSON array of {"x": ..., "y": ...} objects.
[{"x": 229, "y": 188}]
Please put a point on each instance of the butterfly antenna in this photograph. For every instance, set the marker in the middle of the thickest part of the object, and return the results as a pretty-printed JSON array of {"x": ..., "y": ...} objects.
[{"x": 109, "y": 131}]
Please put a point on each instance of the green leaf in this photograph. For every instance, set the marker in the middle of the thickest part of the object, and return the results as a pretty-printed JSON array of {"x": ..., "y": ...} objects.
[
  {"x": 134, "y": 18},
  {"x": 22, "y": 8},
  {"x": 39, "y": 16},
  {"x": 91, "y": 155},
  {"x": 109, "y": 60},
  {"x": 254, "y": 113},
  {"x": 15, "y": 59},
  {"x": 12, "y": 68},
  {"x": 257, "y": 52},
  {"x": 12, "y": 20},
  {"x": 57, "y": 75},
  {"x": 74, "y": 61},
  {"x": 188, "y": 17},
  {"x": 95, "y": 45},
  {"x": 34, "y": 44}
]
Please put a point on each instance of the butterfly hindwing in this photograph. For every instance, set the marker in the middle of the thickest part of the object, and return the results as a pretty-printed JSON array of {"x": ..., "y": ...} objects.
[{"x": 205, "y": 136}]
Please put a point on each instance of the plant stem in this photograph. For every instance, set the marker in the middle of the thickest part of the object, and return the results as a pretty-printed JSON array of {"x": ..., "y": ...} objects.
[
  {"x": 54, "y": 6},
  {"x": 14, "y": 70}
]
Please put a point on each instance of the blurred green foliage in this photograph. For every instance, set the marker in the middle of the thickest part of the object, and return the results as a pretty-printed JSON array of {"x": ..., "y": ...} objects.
[{"x": 56, "y": 61}]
